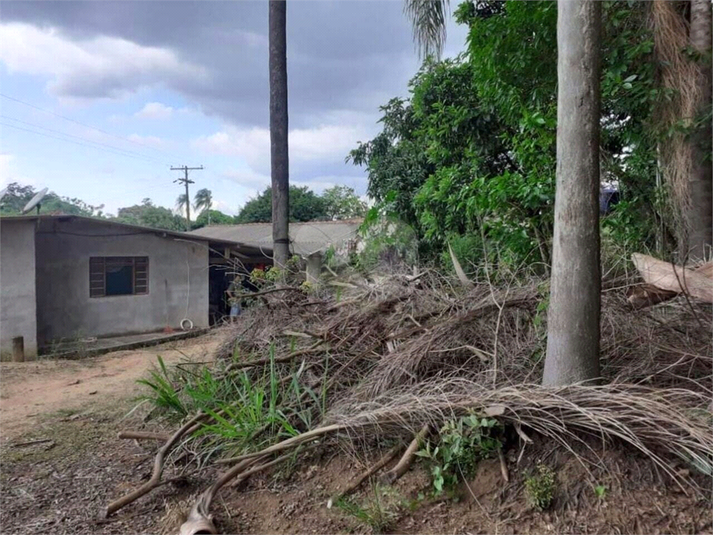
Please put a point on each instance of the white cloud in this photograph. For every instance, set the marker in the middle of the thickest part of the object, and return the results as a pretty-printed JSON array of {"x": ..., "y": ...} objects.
[
  {"x": 248, "y": 179},
  {"x": 322, "y": 143},
  {"x": 8, "y": 174},
  {"x": 102, "y": 67},
  {"x": 151, "y": 141},
  {"x": 154, "y": 110},
  {"x": 5, "y": 162}
]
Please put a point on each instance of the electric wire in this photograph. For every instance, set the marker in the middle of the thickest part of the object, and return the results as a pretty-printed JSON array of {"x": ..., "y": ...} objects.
[
  {"x": 8, "y": 97},
  {"x": 86, "y": 140}
]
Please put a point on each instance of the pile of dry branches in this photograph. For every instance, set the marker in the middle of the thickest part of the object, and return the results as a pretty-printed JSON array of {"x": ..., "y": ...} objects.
[{"x": 407, "y": 352}]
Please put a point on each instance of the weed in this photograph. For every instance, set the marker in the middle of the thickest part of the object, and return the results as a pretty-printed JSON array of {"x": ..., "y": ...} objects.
[
  {"x": 462, "y": 444},
  {"x": 380, "y": 511},
  {"x": 540, "y": 487},
  {"x": 165, "y": 395},
  {"x": 600, "y": 491},
  {"x": 249, "y": 409}
]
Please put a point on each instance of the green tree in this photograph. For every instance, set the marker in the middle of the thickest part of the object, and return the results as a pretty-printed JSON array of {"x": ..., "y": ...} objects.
[
  {"x": 147, "y": 214},
  {"x": 472, "y": 152},
  {"x": 203, "y": 200},
  {"x": 17, "y": 196},
  {"x": 698, "y": 214},
  {"x": 340, "y": 202},
  {"x": 183, "y": 203},
  {"x": 213, "y": 217},
  {"x": 305, "y": 205}
]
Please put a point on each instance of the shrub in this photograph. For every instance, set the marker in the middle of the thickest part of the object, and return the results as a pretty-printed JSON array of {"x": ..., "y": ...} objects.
[
  {"x": 463, "y": 442},
  {"x": 540, "y": 487}
]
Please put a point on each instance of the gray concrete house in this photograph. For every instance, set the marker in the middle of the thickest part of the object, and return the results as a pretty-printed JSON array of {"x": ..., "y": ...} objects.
[{"x": 69, "y": 277}]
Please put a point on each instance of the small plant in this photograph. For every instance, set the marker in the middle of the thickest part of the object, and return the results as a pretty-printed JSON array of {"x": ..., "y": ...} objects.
[
  {"x": 293, "y": 264},
  {"x": 274, "y": 274},
  {"x": 248, "y": 410},
  {"x": 380, "y": 511},
  {"x": 600, "y": 491},
  {"x": 540, "y": 487},
  {"x": 257, "y": 276},
  {"x": 462, "y": 444},
  {"x": 307, "y": 287}
]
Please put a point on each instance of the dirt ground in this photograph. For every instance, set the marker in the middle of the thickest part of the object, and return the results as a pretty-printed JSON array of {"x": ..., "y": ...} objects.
[
  {"x": 62, "y": 484},
  {"x": 31, "y": 390}
]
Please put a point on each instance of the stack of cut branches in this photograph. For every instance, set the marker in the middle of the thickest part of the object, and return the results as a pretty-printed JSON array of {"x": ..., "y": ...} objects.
[{"x": 401, "y": 356}]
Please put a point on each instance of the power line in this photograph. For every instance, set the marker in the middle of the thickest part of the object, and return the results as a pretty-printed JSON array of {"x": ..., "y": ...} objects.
[
  {"x": 71, "y": 141},
  {"x": 8, "y": 97},
  {"x": 186, "y": 181},
  {"x": 87, "y": 140}
]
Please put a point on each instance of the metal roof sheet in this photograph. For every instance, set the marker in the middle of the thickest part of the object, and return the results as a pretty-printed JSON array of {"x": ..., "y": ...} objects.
[{"x": 306, "y": 238}]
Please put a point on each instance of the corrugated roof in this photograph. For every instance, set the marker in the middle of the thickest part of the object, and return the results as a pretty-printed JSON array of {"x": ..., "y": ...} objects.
[
  {"x": 305, "y": 238},
  {"x": 139, "y": 229}
]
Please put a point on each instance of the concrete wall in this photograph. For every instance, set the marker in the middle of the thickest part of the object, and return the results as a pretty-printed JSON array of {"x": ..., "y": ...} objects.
[
  {"x": 64, "y": 308},
  {"x": 17, "y": 286}
]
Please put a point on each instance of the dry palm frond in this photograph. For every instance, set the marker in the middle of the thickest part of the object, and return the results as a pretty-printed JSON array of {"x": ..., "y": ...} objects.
[{"x": 656, "y": 422}]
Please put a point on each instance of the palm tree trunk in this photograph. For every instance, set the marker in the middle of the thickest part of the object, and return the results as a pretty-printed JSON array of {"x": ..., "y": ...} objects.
[
  {"x": 278, "y": 131},
  {"x": 700, "y": 217},
  {"x": 573, "y": 318}
]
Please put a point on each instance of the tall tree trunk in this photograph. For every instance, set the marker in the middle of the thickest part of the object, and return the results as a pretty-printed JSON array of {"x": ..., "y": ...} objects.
[
  {"x": 700, "y": 217},
  {"x": 573, "y": 318},
  {"x": 278, "y": 132}
]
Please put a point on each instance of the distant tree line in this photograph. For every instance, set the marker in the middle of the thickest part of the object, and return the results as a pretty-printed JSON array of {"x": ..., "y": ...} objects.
[{"x": 338, "y": 202}]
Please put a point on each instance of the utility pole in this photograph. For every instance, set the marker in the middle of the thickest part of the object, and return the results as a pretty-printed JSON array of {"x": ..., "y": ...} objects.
[{"x": 185, "y": 181}]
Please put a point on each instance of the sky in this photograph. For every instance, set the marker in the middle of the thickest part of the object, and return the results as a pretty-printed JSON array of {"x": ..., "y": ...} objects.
[{"x": 99, "y": 99}]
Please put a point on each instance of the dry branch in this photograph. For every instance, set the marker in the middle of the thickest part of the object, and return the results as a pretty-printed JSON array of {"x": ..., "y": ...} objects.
[
  {"x": 155, "y": 480},
  {"x": 270, "y": 291},
  {"x": 143, "y": 435},
  {"x": 356, "y": 483},
  {"x": 286, "y": 444},
  {"x": 284, "y": 358},
  {"x": 404, "y": 463},
  {"x": 199, "y": 520}
]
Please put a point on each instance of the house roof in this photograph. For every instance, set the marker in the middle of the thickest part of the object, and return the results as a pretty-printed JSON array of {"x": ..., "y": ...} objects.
[
  {"x": 305, "y": 238},
  {"x": 137, "y": 229}
]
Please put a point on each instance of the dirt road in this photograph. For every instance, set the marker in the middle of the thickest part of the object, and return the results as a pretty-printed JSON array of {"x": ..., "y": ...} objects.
[{"x": 29, "y": 390}]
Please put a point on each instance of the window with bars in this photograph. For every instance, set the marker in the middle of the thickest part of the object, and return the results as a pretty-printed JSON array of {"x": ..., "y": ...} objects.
[{"x": 118, "y": 275}]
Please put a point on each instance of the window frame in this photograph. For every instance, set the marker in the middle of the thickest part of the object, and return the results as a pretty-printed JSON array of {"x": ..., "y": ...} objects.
[{"x": 139, "y": 275}]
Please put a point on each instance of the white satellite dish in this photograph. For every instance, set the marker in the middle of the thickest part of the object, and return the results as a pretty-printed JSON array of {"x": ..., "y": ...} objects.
[{"x": 35, "y": 201}]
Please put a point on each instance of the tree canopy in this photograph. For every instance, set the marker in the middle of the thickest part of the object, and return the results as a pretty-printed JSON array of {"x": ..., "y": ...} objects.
[
  {"x": 469, "y": 158},
  {"x": 340, "y": 202},
  {"x": 147, "y": 214},
  {"x": 17, "y": 196},
  {"x": 305, "y": 205}
]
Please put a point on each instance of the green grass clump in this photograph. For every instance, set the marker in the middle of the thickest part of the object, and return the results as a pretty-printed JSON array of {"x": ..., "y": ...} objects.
[{"x": 249, "y": 409}]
